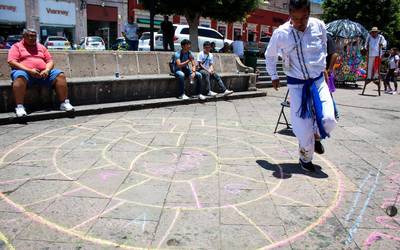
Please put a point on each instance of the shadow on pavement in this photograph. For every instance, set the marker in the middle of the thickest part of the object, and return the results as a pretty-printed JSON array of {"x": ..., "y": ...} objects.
[
  {"x": 287, "y": 170},
  {"x": 286, "y": 131}
]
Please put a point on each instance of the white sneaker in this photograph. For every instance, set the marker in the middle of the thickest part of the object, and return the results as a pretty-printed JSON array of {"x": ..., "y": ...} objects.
[
  {"x": 211, "y": 93},
  {"x": 66, "y": 106},
  {"x": 183, "y": 97},
  {"x": 394, "y": 93},
  {"x": 228, "y": 92},
  {"x": 202, "y": 97},
  {"x": 20, "y": 111}
]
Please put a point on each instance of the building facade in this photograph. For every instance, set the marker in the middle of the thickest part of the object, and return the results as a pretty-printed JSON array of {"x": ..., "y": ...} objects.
[
  {"x": 76, "y": 19},
  {"x": 261, "y": 22},
  {"x": 73, "y": 19}
]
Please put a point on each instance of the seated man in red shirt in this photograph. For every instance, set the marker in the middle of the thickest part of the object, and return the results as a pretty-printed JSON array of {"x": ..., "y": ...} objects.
[{"x": 32, "y": 63}]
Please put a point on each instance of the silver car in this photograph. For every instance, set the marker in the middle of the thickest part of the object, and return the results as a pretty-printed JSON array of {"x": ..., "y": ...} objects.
[
  {"x": 92, "y": 43},
  {"x": 57, "y": 43}
]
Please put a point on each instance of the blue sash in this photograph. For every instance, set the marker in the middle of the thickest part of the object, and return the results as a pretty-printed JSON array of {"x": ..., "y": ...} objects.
[{"x": 310, "y": 92}]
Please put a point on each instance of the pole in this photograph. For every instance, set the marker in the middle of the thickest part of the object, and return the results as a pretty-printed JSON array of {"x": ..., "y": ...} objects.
[{"x": 152, "y": 14}]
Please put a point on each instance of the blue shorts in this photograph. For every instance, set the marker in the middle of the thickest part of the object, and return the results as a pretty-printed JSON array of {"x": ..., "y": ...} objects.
[{"x": 15, "y": 73}]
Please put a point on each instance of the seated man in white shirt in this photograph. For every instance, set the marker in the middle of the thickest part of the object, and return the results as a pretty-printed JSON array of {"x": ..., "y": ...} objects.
[
  {"x": 205, "y": 61},
  {"x": 302, "y": 43}
]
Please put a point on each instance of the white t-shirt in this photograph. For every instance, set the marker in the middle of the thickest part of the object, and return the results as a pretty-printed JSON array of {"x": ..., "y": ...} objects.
[
  {"x": 238, "y": 48},
  {"x": 205, "y": 59},
  {"x": 393, "y": 61}
]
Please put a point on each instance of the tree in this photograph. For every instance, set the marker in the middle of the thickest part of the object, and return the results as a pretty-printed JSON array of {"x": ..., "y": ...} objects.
[
  {"x": 192, "y": 10},
  {"x": 384, "y": 14}
]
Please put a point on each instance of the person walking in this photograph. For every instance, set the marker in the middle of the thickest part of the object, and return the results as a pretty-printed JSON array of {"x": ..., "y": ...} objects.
[
  {"x": 238, "y": 47},
  {"x": 394, "y": 64},
  {"x": 302, "y": 43},
  {"x": 130, "y": 33},
  {"x": 168, "y": 32}
]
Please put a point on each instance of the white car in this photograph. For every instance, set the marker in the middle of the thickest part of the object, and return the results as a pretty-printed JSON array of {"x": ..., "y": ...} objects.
[
  {"x": 92, "y": 43},
  {"x": 57, "y": 43},
  {"x": 144, "y": 41},
  {"x": 205, "y": 34}
]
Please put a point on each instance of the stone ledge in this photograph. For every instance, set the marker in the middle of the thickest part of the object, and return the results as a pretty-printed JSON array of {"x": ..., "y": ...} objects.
[{"x": 9, "y": 118}]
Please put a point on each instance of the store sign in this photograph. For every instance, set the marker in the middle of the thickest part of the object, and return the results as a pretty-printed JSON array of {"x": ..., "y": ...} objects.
[
  {"x": 57, "y": 13},
  {"x": 12, "y": 11}
]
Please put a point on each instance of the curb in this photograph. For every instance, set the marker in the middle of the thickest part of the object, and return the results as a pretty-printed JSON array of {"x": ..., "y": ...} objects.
[{"x": 96, "y": 109}]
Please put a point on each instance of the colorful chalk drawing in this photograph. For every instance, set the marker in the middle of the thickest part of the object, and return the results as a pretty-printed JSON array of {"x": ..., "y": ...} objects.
[
  {"x": 391, "y": 224},
  {"x": 198, "y": 172}
]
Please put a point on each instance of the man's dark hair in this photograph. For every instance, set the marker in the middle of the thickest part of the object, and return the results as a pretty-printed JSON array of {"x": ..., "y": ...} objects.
[
  {"x": 185, "y": 41},
  {"x": 299, "y": 4},
  {"x": 206, "y": 43}
]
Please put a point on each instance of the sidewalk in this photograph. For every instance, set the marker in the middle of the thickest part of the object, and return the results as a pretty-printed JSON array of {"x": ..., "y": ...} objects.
[{"x": 201, "y": 176}]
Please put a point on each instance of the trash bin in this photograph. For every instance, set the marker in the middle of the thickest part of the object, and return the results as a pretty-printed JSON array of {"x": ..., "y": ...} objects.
[{"x": 250, "y": 58}]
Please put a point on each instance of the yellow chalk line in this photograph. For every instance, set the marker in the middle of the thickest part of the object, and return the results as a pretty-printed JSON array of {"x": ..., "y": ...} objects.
[{"x": 253, "y": 224}]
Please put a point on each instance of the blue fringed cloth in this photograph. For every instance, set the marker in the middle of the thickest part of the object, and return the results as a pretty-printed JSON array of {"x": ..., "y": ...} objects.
[{"x": 310, "y": 101}]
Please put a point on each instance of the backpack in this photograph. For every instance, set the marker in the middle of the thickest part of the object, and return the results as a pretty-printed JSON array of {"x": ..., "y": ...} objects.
[{"x": 172, "y": 63}]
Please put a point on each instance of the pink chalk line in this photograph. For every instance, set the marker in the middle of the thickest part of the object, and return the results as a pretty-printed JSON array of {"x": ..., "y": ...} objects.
[{"x": 195, "y": 195}]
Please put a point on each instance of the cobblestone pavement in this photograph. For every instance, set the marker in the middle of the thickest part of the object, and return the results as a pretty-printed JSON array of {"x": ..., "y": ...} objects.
[{"x": 201, "y": 176}]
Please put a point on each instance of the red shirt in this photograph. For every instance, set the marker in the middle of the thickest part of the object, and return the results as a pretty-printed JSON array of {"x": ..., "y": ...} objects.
[{"x": 33, "y": 57}]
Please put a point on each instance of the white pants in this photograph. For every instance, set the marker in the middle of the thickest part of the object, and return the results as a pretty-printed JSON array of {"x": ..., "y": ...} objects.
[
  {"x": 371, "y": 61},
  {"x": 304, "y": 129}
]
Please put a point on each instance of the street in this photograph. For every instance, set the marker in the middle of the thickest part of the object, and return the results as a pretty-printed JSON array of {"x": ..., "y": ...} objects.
[{"x": 202, "y": 176}]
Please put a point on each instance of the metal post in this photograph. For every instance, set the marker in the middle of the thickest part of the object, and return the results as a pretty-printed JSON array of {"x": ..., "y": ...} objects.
[{"x": 152, "y": 14}]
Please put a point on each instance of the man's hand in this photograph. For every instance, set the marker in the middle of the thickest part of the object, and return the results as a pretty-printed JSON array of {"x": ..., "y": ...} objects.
[
  {"x": 193, "y": 75},
  {"x": 276, "y": 84},
  {"x": 34, "y": 73},
  {"x": 45, "y": 73}
]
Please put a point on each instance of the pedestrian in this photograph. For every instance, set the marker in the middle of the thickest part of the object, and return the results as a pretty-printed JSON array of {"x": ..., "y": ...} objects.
[
  {"x": 205, "y": 62},
  {"x": 302, "y": 44},
  {"x": 226, "y": 48},
  {"x": 213, "y": 49},
  {"x": 31, "y": 63},
  {"x": 130, "y": 33},
  {"x": 330, "y": 63},
  {"x": 394, "y": 64},
  {"x": 374, "y": 44},
  {"x": 185, "y": 66},
  {"x": 238, "y": 47},
  {"x": 168, "y": 32}
]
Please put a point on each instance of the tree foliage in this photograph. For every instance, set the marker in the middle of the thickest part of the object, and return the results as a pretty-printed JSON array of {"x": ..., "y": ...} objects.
[
  {"x": 192, "y": 10},
  {"x": 384, "y": 14}
]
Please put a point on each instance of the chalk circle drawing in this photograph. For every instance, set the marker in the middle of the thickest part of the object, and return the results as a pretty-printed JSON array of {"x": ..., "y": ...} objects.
[
  {"x": 195, "y": 176},
  {"x": 188, "y": 161},
  {"x": 235, "y": 188}
]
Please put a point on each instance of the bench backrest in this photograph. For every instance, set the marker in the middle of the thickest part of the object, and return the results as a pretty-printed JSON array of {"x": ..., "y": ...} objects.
[{"x": 76, "y": 64}]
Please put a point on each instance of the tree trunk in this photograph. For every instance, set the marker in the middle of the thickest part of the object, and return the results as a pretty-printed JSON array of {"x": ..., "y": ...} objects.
[{"x": 193, "y": 21}]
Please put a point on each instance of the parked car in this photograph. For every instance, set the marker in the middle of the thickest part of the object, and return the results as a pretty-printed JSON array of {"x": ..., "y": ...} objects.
[
  {"x": 92, "y": 43},
  {"x": 144, "y": 41},
  {"x": 119, "y": 44},
  {"x": 205, "y": 34},
  {"x": 263, "y": 44},
  {"x": 2, "y": 42},
  {"x": 57, "y": 43},
  {"x": 11, "y": 39}
]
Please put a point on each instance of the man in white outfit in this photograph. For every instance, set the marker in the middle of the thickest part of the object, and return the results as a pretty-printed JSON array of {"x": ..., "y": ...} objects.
[
  {"x": 374, "y": 44},
  {"x": 302, "y": 43}
]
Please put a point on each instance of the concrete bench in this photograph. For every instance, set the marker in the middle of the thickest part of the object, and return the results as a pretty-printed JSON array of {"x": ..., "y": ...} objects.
[{"x": 142, "y": 75}]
